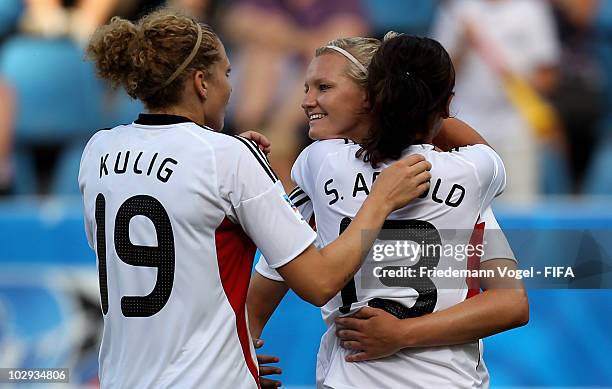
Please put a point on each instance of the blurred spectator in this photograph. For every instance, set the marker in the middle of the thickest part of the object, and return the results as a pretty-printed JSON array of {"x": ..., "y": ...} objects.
[
  {"x": 7, "y": 110},
  {"x": 199, "y": 9},
  {"x": 580, "y": 98},
  {"x": 274, "y": 40},
  {"x": 593, "y": 19},
  {"x": 493, "y": 44},
  {"x": 47, "y": 147},
  {"x": 51, "y": 18}
]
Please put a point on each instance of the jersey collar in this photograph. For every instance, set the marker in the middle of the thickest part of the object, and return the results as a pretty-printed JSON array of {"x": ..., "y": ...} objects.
[{"x": 160, "y": 119}]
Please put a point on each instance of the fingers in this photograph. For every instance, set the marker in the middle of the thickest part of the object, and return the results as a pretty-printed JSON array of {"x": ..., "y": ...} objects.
[
  {"x": 262, "y": 358},
  {"x": 414, "y": 158},
  {"x": 352, "y": 345},
  {"x": 421, "y": 188},
  {"x": 358, "y": 357},
  {"x": 347, "y": 335},
  {"x": 269, "y": 384},
  {"x": 420, "y": 167},
  {"x": 269, "y": 370},
  {"x": 349, "y": 323},
  {"x": 258, "y": 343},
  {"x": 263, "y": 142},
  {"x": 423, "y": 177},
  {"x": 366, "y": 312}
]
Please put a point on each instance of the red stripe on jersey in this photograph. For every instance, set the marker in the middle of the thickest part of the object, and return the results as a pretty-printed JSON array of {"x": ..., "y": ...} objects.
[
  {"x": 235, "y": 254},
  {"x": 312, "y": 222},
  {"x": 473, "y": 283}
]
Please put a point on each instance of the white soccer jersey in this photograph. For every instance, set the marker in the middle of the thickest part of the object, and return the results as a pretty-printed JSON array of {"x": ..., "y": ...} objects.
[
  {"x": 456, "y": 209},
  {"x": 175, "y": 212}
]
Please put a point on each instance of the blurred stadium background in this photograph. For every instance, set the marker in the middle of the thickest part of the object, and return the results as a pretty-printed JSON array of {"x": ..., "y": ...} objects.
[{"x": 556, "y": 55}]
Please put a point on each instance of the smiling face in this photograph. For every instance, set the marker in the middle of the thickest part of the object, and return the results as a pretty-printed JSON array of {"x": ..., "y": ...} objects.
[{"x": 335, "y": 105}]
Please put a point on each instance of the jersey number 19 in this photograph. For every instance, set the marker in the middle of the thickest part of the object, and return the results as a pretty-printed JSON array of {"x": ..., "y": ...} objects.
[{"x": 160, "y": 257}]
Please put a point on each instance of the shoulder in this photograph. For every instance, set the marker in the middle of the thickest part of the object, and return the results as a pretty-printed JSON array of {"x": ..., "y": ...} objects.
[
  {"x": 316, "y": 154},
  {"x": 480, "y": 160},
  {"x": 323, "y": 148},
  {"x": 97, "y": 138},
  {"x": 313, "y": 158},
  {"x": 486, "y": 165},
  {"x": 470, "y": 154},
  {"x": 221, "y": 144}
]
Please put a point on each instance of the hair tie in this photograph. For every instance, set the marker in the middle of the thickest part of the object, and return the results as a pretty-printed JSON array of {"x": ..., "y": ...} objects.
[
  {"x": 185, "y": 63},
  {"x": 350, "y": 57}
]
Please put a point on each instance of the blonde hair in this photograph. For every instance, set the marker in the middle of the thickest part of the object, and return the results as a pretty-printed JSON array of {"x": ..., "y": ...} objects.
[
  {"x": 142, "y": 57},
  {"x": 362, "y": 49}
]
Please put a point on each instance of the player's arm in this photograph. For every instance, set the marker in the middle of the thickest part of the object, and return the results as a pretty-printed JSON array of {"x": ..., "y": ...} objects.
[
  {"x": 263, "y": 297},
  {"x": 317, "y": 276},
  {"x": 374, "y": 333},
  {"x": 456, "y": 133},
  {"x": 267, "y": 287}
]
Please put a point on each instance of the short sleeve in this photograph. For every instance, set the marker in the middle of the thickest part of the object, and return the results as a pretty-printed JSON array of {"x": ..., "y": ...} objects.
[
  {"x": 496, "y": 245},
  {"x": 489, "y": 170},
  {"x": 304, "y": 206},
  {"x": 262, "y": 207},
  {"x": 265, "y": 270}
]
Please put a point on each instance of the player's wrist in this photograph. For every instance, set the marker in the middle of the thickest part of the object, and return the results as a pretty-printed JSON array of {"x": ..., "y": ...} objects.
[
  {"x": 407, "y": 333},
  {"x": 379, "y": 206}
]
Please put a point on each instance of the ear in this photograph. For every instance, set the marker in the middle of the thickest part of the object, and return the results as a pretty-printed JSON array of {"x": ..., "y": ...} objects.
[
  {"x": 200, "y": 84},
  {"x": 446, "y": 113},
  {"x": 365, "y": 102}
]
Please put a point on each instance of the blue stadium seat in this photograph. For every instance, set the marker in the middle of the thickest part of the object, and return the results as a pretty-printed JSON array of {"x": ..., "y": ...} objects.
[
  {"x": 118, "y": 108},
  {"x": 25, "y": 172},
  {"x": 65, "y": 178},
  {"x": 10, "y": 11},
  {"x": 58, "y": 95},
  {"x": 58, "y": 98},
  {"x": 412, "y": 17}
]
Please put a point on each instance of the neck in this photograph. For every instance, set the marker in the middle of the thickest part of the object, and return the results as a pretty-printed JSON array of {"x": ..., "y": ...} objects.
[
  {"x": 193, "y": 115},
  {"x": 361, "y": 131}
]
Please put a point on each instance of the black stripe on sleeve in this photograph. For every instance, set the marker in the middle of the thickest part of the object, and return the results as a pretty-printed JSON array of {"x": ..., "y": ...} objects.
[
  {"x": 301, "y": 201},
  {"x": 263, "y": 155},
  {"x": 295, "y": 193},
  {"x": 257, "y": 154}
]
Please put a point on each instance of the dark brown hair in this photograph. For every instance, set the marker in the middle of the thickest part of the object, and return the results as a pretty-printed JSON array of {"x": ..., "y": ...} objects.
[
  {"x": 410, "y": 80},
  {"x": 141, "y": 57}
]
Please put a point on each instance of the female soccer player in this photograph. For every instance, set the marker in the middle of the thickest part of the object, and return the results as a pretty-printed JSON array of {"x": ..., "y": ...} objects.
[
  {"x": 411, "y": 82},
  {"x": 174, "y": 210}
]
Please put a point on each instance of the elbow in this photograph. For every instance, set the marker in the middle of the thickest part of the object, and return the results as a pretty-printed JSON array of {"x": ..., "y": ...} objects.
[
  {"x": 318, "y": 301},
  {"x": 520, "y": 315},
  {"x": 322, "y": 295},
  {"x": 321, "y": 292},
  {"x": 315, "y": 298}
]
